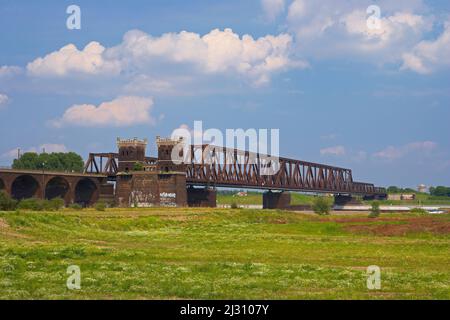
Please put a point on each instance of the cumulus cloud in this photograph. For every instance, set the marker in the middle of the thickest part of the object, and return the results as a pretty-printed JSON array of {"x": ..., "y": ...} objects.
[
  {"x": 334, "y": 151},
  {"x": 394, "y": 153},
  {"x": 3, "y": 100},
  {"x": 121, "y": 112},
  {"x": 146, "y": 84},
  {"x": 217, "y": 52},
  {"x": 325, "y": 29},
  {"x": 69, "y": 60},
  {"x": 429, "y": 54},
  {"x": 272, "y": 8},
  {"x": 8, "y": 71}
]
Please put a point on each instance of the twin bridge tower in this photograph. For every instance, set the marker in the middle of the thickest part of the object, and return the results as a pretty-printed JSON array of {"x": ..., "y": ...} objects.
[
  {"x": 143, "y": 181},
  {"x": 130, "y": 178}
]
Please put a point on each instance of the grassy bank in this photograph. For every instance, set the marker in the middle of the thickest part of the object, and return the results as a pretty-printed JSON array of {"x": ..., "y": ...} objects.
[
  {"x": 255, "y": 198},
  {"x": 221, "y": 254}
]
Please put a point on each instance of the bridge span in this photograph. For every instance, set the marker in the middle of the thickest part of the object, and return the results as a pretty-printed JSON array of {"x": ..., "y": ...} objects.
[{"x": 160, "y": 181}]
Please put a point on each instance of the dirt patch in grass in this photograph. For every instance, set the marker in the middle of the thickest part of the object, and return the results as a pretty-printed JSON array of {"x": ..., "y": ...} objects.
[
  {"x": 366, "y": 219},
  {"x": 408, "y": 226},
  {"x": 3, "y": 224}
]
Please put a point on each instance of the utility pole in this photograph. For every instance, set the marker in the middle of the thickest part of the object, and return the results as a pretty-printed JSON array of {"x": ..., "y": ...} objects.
[{"x": 43, "y": 181}]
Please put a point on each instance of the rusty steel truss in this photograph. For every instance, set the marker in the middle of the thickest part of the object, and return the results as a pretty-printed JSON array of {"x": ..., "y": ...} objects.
[
  {"x": 208, "y": 165},
  {"x": 107, "y": 163},
  {"x": 223, "y": 167}
]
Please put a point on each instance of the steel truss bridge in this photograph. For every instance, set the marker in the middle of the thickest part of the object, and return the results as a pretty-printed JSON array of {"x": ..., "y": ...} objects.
[{"x": 208, "y": 165}]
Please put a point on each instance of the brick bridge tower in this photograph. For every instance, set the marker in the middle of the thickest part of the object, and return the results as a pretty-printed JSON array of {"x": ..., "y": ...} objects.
[{"x": 131, "y": 151}]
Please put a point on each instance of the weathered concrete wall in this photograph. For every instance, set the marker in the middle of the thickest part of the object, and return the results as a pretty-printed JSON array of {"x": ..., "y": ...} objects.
[
  {"x": 144, "y": 190},
  {"x": 172, "y": 189},
  {"x": 151, "y": 189}
]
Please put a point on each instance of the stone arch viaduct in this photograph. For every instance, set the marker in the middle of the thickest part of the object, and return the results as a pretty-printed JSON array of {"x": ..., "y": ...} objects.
[{"x": 84, "y": 189}]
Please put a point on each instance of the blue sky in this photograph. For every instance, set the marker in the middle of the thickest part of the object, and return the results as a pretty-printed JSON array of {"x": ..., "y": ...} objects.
[{"x": 376, "y": 101}]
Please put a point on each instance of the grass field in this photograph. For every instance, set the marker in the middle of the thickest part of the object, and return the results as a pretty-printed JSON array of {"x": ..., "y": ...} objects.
[
  {"x": 222, "y": 254},
  {"x": 255, "y": 198}
]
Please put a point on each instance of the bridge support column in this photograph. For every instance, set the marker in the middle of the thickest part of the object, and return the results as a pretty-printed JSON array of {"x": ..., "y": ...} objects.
[
  {"x": 342, "y": 200},
  {"x": 204, "y": 197},
  {"x": 276, "y": 200},
  {"x": 375, "y": 197}
]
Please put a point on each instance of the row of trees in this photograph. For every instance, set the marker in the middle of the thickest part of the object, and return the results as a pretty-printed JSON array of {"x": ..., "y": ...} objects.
[
  {"x": 394, "y": 189},
  {"x": 70, "y": 161},
  {"x": 440, "y": 191}
]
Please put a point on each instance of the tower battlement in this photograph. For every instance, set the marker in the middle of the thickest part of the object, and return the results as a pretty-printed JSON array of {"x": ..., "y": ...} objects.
[{"x": 131, "y": 151}]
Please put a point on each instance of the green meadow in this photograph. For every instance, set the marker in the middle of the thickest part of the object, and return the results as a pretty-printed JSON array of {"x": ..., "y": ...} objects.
[{"x": 222, "y": 254}]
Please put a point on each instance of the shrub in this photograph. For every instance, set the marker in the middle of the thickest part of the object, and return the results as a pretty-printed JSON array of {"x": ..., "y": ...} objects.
[
  {"x": 419, "y": 211},
  {"x": 100, "y": 206},
  {"x": 321, "y": 206},
  {"x": 54, "y": 204},
  {"x": 31, "y": 204},
  {"x": 234, "y": 206},
  {"x": 138, "y": 166},
  {"x": 6, "y": 203},
  {"x": 375, "y": 210},
  {"x": 75, "y": 206}
]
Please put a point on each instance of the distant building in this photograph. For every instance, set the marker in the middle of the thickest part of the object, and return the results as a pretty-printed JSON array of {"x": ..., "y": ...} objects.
[
  {"x": 422, "y": 188},
  {"x": 406, "y": 197}
]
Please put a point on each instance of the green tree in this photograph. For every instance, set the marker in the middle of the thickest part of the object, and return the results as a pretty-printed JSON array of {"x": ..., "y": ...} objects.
[
  {"x": 440, "y": 191},
  {"x": 50, "y": 161},
  {"x": 6, "y": 203},
  {"x": 393, "y": 189},
  {"x": 321, "y": 206},
  {"x": 375, "y": 210}
]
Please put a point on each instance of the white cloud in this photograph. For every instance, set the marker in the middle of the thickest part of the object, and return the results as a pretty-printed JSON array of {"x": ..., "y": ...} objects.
[
  {"x": 146, "y": 84},
  {"x": 3, "y": 100},
  {"x": 334, "y": 151},
  {"x": 430, "y": 54},
  {"x": 8, "y": 71},
  {"x": 121, "y": 112},
  {"x": 394, "y": 153},
  {"x": 272, "y": 8},
  {"x": 327, "y": 29},
  {"x": 69, "y": 60},
  {"x": 217, "y": 52}
]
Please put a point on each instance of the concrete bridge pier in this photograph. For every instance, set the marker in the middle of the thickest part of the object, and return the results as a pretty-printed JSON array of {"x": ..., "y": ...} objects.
[
  {"x": 276, "y": 200},
  {"x": 345, "y": 199},
  {"x": 201, "y": 197}
]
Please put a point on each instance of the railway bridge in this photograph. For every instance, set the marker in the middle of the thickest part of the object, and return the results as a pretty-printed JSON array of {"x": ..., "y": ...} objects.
[{"x": 130, "y": 178}]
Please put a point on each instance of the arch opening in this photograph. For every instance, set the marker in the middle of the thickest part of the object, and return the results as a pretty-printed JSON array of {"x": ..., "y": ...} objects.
[
  {"x": 86, "y": 192},
  {"x": 25, "y": 187},
  {"x": 2, "y": 185},
  {"x": 56, "y": 188}
]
